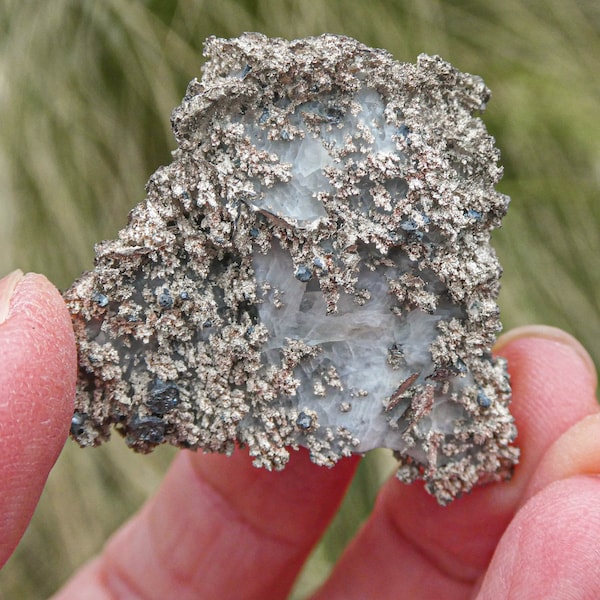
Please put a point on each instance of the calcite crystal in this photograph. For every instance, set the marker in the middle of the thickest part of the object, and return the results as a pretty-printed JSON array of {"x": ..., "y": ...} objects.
[{"x": 312, "y": 269}]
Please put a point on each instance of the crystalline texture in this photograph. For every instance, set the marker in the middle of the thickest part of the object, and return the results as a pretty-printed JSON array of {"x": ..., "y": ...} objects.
[{"x": 312, "y": 269}]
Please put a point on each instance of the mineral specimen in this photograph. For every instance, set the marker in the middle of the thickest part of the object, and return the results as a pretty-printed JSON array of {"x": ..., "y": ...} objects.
[{"x": 312, "y": 269}]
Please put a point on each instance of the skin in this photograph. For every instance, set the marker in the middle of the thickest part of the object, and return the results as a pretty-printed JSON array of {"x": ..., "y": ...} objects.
[{"x": 218, "y": 527}]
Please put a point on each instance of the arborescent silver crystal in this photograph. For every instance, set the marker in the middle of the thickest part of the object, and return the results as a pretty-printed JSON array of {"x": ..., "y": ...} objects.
[{"x": 312, "y": 269}]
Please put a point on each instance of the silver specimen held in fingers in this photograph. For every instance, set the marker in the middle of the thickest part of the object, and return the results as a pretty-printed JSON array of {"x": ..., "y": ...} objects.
[{"x": 312, "y": 269}]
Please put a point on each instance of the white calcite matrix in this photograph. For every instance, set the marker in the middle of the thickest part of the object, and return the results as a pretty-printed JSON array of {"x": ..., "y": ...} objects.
[{"x": 312, "y": 269}]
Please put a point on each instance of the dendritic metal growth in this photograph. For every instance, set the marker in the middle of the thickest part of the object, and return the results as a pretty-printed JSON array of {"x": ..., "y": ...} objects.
[{"x": 312, "y": 269}]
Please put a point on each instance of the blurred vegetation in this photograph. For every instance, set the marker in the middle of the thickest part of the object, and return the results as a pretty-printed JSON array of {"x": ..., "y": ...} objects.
[{"x": 86, "y": 90}]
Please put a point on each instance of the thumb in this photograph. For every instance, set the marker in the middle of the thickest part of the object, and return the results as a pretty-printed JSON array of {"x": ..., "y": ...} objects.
[{"x": 37, "y": 380}]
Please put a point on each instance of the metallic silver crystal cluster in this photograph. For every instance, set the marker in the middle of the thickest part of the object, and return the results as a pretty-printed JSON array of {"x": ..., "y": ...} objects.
[{"x": 312, "y": 269}]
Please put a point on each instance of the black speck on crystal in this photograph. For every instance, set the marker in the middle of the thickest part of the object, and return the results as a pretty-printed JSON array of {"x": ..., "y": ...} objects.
[
  {"x": 100, "y": 299},
  {"x": 304, "y": 421},
  {"x": 165, "y": 300},
  {"x": 474, "y": 214},
  {"x": 150, "y": 430},
  {"x": 303, "y": 273},
  {"x": 77, "y": 422},
  {"x": 264, "y": 117},
  {"x": 245, "y": 72},
  {"x": 163, "y": 397},
  {"x": 403, "y": 130},
  {"x": 483, "y": 400}
]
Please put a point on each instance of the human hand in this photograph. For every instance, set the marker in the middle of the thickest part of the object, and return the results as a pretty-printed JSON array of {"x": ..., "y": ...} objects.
[{"x": 219, "y": 528}]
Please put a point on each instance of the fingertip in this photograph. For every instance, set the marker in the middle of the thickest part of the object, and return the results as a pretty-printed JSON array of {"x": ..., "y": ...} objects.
[
  {"x": 542, "y": 335},
  {"x": 550, "y": 550},
  {"x": 38, "y": 337},
  {"x": 575, "y": 452},
  {"x": 553, "y": 387},
  {"x": 38, "y": 373}
]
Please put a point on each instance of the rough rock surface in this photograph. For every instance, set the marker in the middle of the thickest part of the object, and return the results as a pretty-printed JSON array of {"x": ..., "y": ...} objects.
[{"x": 312, "y": 269}]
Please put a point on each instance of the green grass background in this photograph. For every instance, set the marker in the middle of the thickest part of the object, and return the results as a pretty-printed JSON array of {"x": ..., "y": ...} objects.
[{"x": 86, "y": 91}]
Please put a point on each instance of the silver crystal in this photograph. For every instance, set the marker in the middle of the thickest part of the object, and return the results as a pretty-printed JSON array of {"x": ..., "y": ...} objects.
[{"x": 312, "y": 269}]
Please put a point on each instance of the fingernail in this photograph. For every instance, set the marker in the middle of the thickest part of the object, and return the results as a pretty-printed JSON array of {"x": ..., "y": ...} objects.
[
  {"x": 548, "y": 333},
  {"x": 7, "y": 288}
]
